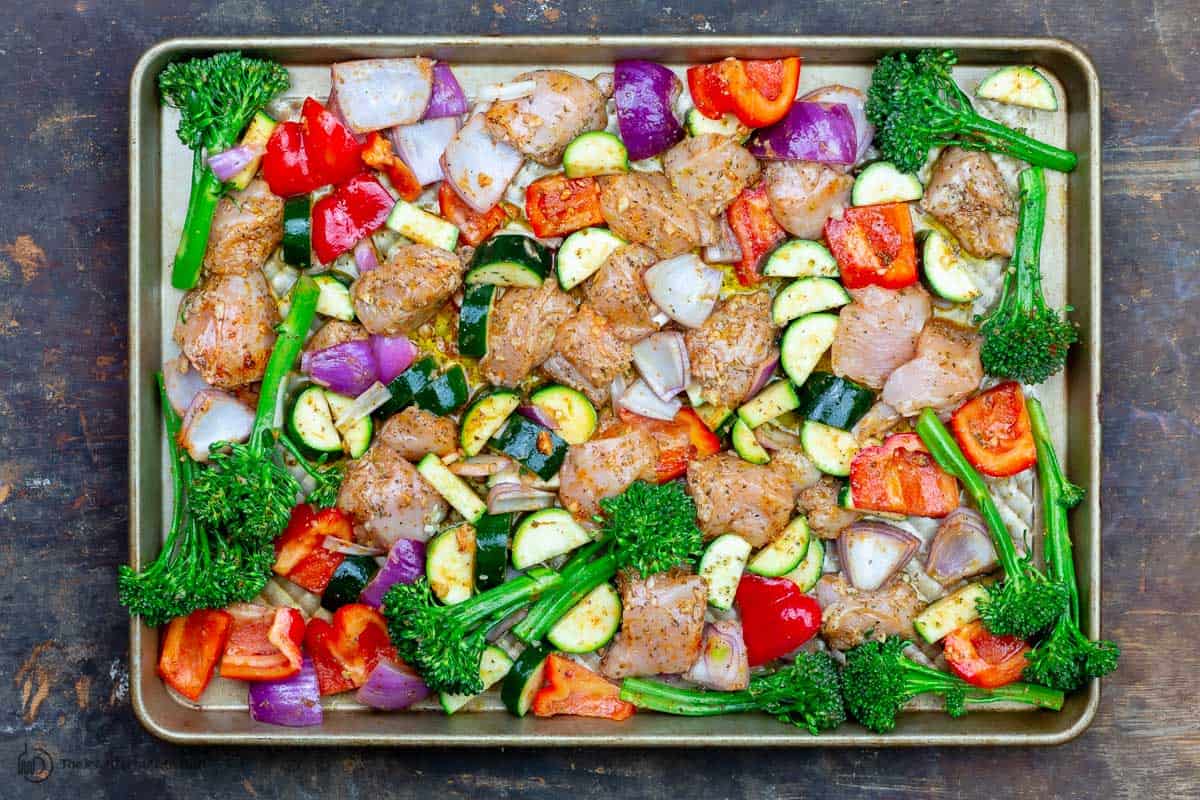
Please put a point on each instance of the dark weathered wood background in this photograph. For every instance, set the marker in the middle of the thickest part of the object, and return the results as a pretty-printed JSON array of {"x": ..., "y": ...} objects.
[{"x": 63, "y": 465}]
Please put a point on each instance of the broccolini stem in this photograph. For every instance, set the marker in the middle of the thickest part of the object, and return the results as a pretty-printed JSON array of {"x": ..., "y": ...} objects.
[
  {"x": 505, "y": 598},
  {"x": 545, "y": 611},
  {"x": 1060, "y": 565},
  {"x": 919, "y": 678},
  {"x": 193, "y": 242},
  {"x": 554, "y": 606},
  {"x": 1027, "y": 249},
  {"x": 1016, "y": 144},
  {"x": 283, "y": 356},
  {"x": 677, "y": 700}
]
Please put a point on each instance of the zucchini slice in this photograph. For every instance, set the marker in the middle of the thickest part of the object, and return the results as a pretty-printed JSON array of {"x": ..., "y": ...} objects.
[
  {"x": 450, "y": 564},
  {"x": 804, "y": 342},
  {"x": 334, "y": 298},
  {"x": 525, "y": 678},
  {"x": 745, "y": 445},
  {"x": 715, "y": 417},
  {"x": 404, "y": 387},
  {"x": 310, "y": 422},
  {"x": 833, "y": 400},
  {"x": 494, "y": 664},
  {"x": 297, "y": 231},
  {"x": 356, "y": 440},
  {"x": 830, "y": 449},
  {"x": 808, "y": 571},
  {"x": 473, "y": 319},
  {"x": 778, "y": 398},
  {"x": 1019, "y": 86},
  {"x": 570, "y": 409},
  {"x": 590, "y": 624},
  {"x": 807, "y": 296},
  {"x": 484, "y": 418},
  {"x": 510, "y": 259},
  {"x": 785, "y": 552},
  {"x": 721, "y": 567},
  {"x": 446, "y": 393},
  {"x": 881, "y": 182},
  {"x": 582, "y": 253},
  {"x": 536, "y": 448},
  {"x": 801, "y": 258},
  {"x": 349, "y": 579},
  {"x": 457, "y": 493},
  {"x": 257, "y": 135},
  {"x": 491, "y": 549},
  {"x": 728, "y": 125},
  {"x": 950, "y": 613},
  {"x": 413, "y": 222},
  {"x": 545, "y": 534},
  {"x": 944, "y": 272},
  {"x": 595, "y": 153}
]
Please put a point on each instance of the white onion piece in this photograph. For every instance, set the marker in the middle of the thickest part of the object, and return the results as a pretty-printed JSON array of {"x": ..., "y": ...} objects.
[
  {"x": 856, "y": 103},
  {"x": 685, "y": 288},
  {"x": 504, "y": 498},
  {"x": 376, "y": 395},
  {"x": 726, "y": 250},
  {"x": 377, "y": 93},
  {"x": 482, "y": 466},
  {"x": 641, "y": 399},
  {"x": 872, "y": 552},
  {"x": 214, "y": 416},
  {"x": 421, "y": 146},
  {"x": 336, "y": 545},
  {"x": 182, "y": 383},
  {"x": 661, "y": 358},
  {"x": 505, "y": 91},
  {"x": 479, "y": 167}
]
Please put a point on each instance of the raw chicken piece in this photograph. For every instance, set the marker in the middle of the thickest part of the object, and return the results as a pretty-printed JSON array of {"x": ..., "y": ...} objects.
[
  {"x": 246, "y": 229},
  {"x": 335, "y": 332},
  {"x": 946, "y": 370},
  {"x": 226, "y": 328},
  {"x": 617, "y": 292},
  {"x": 803, "y": 194},
  {"x": 880, "y": 419},
  {"x": 662, "y": 622},
  {"x": 967, "y": 194},
  {"x": 521, "y": 331},
  {"x": 735, "y": 496},
  {"x": 541, "y": 125},
  {"x": 819, "y": 504},
  {"x": 605, "y": 466},
  {"x": 641, "y": 207},
  {"x": 728, "y": 351},
  {"x": 388, "y": 499},
  {"x": 878, "y": 332},
  {"x": 406, "y": 290},
  {"x": 588, "y": 355},
  {"x": 849, "y": 616},
  {"x": 709, "y": 171},
  {"x": 414, "y": 432},
  {"x": 795, "y": 466}
]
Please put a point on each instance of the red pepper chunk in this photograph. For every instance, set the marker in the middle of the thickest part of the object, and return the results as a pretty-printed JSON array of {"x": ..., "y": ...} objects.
[
  {"x": 571, "y": 688},
  {"x": 285, "y": 164},
  {"x": 345, "y": 651},
  {"x": 378, "y": 154},
  {"x": 356, "y": 209},
  {"x": 473, "y": 227},
  {"x": 994, "y": 432},
  {"x": 316, "y": 151},
  {"x": 874, "y": 245},
  {"x": 983, "y": 659},
  {"x": 300, "y": 554},
  {"x": 776, "y": 617},
  {"x": 557, "y": 205},
  {"x": 708, "y": 89},
  {"x": 264, "y": 643},
  {"x": 191, "y": 647},
  {"x": 901, "y": 477},
  {"x": 680, "y": 442},
  {"x": 757, "y": 92},
  {"x": 756, "y": 231}
]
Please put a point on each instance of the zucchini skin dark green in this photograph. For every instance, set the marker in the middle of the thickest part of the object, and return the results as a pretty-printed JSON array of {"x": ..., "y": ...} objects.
[
  {"x": 512, "y": 248},
  {"x": 348, "y": 581},
  {"x": 519, "y": 440},
  {"x": 524, "y": 669},
  {"x": 491, "y": 550},
  {"x": 446, "y": 393},
  {"x": 473, "y": 319},
  {"x": 297, "y": 231},
  {"x": 833, "y": 400},
  {"x": 404, "y": 387}
]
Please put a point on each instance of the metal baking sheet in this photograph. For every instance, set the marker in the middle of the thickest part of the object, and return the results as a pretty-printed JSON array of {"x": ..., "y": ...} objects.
[{"x": 158, "y": 197}]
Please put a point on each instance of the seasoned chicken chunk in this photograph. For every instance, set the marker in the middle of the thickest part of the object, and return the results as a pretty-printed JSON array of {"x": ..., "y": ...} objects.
[
  {"x": 878, "y": 332},
  {"x": 415, "y": 432},
  {"x": 849, "y": 616},
  {"x": 618, "y": 292},
  {"x": 709, "y": 171},
  {"x": 662, "y": 622},
  {"x": 967, "y": 194},
  {"x": 542, "y": 124},
  {"x": 521, "y": 331},
  {"x": 605, "y": 466},
  {"x": 226, "y": 328},
  {"x": 945, "y": 371},
  {"x": 246, "y": 229},
  {"x": 796, "y": 467},
  {"x": 803, "y": 194},
  {"x": 641, "y": 207},
  {"x": 335, "y": 332},
  {"x": 819, "y": 504},
  {"x": 588, "y": 355},
  {"x": 388, "y": 499},
  {"x": 729, "y": 350},
  {"x": 406, "y": 290},
  {"x": 735, "y": 496}
]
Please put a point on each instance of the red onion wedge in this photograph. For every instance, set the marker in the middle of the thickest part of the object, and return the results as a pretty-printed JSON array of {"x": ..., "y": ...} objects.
[
  {"x": 723, "y": 662},
  {"x": 214, "y": 416},
  {"x": 685, "y": 288},
  {"x": 961, "y": 548},
  {"x": 348, "y": 368},
  {"x": 393, "y": 354},
  {"x": 504, "y": 498},
  {"x": 378, "y": 93},
  {"x": 538, "y": 415},
  {"x": 766, "y": 371},
  {"x": 870, "y": 553},
  {"x": 809, "y": 132},
  {"x": 182, "y": 383},
  {"x": 447, "y": 98},
  {"x": 405, "y": 563},
  {"x": 365, "y": 257},
  {"x": 294, "y": 702},
  {"x": 392, "y": 686},
  {"x": 478, "y": 167},
  {"x": 641, "y": 399},
  {"x": 645, "y": 94},
  {"x": 856, "y": 103},
  {"x": 421, "y": 145},
  {"x": 661, "y": 359},
  {"x": 228, "y": 163}
]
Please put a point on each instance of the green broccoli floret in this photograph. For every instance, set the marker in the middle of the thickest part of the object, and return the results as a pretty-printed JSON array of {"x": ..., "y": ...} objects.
[
  {"x": 879, "y": 679},
  {"x": 649, "y": 528},
  {"x": 1065, "y": 659},
  {"x": 915, "y": 106},
  {"x": 807, "y": 694},
  {"x": 216, "y": 97},
  {"x": 1023, "y": 338},
  {"x": 1027, "y": 602}
]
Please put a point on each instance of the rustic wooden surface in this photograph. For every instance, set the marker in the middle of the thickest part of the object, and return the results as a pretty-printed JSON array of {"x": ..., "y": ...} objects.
[{"x": 63, "y": 465}]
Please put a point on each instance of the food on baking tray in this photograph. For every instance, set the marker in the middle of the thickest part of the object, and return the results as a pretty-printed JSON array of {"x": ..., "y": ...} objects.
[{"x": 614, "y": 394}]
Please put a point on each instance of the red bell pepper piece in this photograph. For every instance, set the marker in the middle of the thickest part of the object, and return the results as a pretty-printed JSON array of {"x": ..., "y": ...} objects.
[
  {"x": 557, "y": 205},
  {"x": 356, "y": 209},
  {"x": 378, "y": 154},
  {"x": 345, "y": 652},
  {"x": 574, "y": 689},
  {"x": 285, "y": 164},
  {"x": 759, "y": 93},
  {"x": 901, "y": 477},
  {"x": 874, "y": 245},
  {"x": 473, "y": 227},
  {"x": 983, "y": 659},
  {"x": 710, "y": 93},
  {"x": 776, "y": 617},
  {"x": 994, "y": 432},
  {"x": 755, "y": 229},
  {"x": 300, "y": 554},
  {"x": 316, "y": 151},
  {"x": 264, "y": 643},
  {"x": 191, "y": 647},
  {"x": 681, "y": 441}
]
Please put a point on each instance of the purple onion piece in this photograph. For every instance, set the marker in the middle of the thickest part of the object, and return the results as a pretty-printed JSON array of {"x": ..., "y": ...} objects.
[
  {"x": 348, "y": 368},
  {"x": 961, "y": 548},
  {"x": 856, "y": 102},
  {"x": 393, "y": 355},
  {"x": 447, "y": 99},
  {"x": 538, "y": 415},
  {"x": 365, "y": 257},
  {"x": 810, "y": 132},
  {"x": 228, "y": 163},
  {"x": 392, "y": 686},
  {"x": 723, "y": 663},
  {"x": 405, "y": 563},
  {"x": 871, "y": 552},
  {"x": 294, "y": 702},
  {"x": 645, "y": 94}
]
